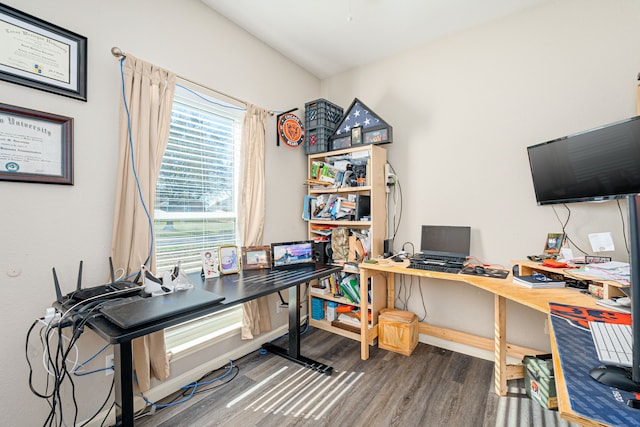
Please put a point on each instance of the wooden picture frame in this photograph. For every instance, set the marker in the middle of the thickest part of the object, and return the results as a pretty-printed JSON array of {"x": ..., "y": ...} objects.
[
  {"x": 256, "y": 257},
  {"x": 553, "y": 243},
  {"x": 35, "y": 146},
  {"x": 229, "y": 259},
  {"x": 42, "y": 55}
]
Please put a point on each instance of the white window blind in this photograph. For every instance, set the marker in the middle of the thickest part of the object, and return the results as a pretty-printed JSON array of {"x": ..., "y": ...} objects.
[
  {"x": 196, "y": 197},
  {"x": 196, "y": 192}
]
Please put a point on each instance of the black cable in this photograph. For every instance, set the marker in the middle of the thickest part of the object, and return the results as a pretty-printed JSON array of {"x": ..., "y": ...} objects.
[
  {"x": 624, "y": 230},
  {"x": 106, "y": 400},
  {"x": 397, "y": 182},
  {"x": 566, "y": 235},
  {"x": 55, "y": 358}
]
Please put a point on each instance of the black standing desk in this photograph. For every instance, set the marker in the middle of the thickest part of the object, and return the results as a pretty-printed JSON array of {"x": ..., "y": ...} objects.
[{"x": 237, "y": 289}]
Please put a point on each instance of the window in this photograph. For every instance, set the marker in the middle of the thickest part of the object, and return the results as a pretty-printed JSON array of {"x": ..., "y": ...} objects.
[
  {"x": 196, "y": 197},
  {"x": 196, "y": 191}
]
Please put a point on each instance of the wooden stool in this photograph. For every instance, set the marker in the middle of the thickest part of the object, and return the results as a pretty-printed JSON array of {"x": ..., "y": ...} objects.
[{"x": 398, "y": 331}]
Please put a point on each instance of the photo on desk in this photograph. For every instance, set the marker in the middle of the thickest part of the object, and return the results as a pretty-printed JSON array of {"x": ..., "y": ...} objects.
[
  {"x": 256, "y": 257},
  {"x": 229, "y": 259},
  {"x": 553, "y": 243}
]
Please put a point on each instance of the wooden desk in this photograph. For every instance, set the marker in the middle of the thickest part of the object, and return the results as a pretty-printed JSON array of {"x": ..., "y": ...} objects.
[{"x": 503, "y": 290}]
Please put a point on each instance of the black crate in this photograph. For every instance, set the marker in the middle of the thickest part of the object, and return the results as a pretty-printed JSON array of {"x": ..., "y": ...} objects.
[
  {"x": 317, "y": 140},
  {"x": 322, "y": 114}
]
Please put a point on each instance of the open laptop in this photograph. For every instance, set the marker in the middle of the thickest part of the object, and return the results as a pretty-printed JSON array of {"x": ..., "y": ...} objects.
[
  {"x": 443, "y": 248},
  {"x": 450, "y": 242},
  {"x": 145, "y": 310},
  {"x": 292, "y": 254}
]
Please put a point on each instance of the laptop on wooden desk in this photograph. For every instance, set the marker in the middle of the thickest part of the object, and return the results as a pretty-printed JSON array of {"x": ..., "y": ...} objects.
[{"x": 146, "y": 310}]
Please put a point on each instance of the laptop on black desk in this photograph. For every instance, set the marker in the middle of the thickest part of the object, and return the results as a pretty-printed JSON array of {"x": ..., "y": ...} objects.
[
  {"x": 443, "y": 248},
  {"x": 147, "y": 310}
]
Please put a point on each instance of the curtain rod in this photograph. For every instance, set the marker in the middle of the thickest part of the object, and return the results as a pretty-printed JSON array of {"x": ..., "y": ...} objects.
[{"x": 116, "y": 52}]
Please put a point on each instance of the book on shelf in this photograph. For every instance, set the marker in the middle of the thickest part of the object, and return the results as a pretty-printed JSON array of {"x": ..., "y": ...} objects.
[{"x": 538, "y": 281}]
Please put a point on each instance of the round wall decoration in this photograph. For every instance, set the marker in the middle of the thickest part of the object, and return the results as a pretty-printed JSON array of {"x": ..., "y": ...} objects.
[{"x": 291, "y": 130}]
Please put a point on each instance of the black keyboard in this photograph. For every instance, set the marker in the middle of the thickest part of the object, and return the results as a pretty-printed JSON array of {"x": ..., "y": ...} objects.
[{"x": 434, "y": 267}]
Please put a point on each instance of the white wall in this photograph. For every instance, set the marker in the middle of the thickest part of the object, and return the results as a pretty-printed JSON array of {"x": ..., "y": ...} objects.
[
  {"x": 42, "y": 226},
  {"x": 464, "y": 108}
]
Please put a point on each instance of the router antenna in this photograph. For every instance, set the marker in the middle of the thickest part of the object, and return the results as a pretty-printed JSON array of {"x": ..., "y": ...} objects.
[
  {"x": 79, "y": 285},
  {"x": 57, "y": 285},
  {"x": 113, "y": 277}
]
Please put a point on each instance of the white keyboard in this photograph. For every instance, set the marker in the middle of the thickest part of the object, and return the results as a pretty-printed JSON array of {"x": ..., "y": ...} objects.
[{"x": 612, "y": 342}]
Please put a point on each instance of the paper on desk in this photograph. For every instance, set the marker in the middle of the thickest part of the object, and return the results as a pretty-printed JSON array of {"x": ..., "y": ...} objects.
[
  {"x": 613, "y": 270},
  {"x": 601, "y": 242}
]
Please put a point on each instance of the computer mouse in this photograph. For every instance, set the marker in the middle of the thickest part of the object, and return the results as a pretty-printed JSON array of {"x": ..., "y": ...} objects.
[{"x": 479, "y": 269}]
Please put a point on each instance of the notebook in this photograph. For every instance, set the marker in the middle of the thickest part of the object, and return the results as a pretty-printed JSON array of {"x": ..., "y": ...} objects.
[
  {"x": 146, "y": 310},
  {"x": 292, "y": 254}
]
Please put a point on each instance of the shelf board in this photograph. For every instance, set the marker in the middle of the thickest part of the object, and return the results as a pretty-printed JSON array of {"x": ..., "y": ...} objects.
[
  {"x": 347, "y": 223},
  {"x": 364, "y": 188},
  {"x": 339, "y": 300}
]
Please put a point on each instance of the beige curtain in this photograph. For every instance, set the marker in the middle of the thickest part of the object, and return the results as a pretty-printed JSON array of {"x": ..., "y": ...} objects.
[
  {"x": 256, "y": 318},
  {"x": 149, "y": 95}
]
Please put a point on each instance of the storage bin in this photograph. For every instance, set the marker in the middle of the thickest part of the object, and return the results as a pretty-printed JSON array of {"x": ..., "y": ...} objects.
[
  {"x": 317, "y": 309},
  {"x": 322, "y": 114},
  {"x": 398, "y": 331},
  {"x": 320, "y": 121},
  {"x": 317, "y": 140},
  {"x": 539, "y": 381}
]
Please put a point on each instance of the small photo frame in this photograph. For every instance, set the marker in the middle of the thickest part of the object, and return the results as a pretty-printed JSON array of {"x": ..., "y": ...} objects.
[
  {"x": 554, "y": 243},
  {"x": 209, "y": 264},
  {"x": 256, "y": 257},
  {"x": 356, "y": 135},
  {"x": 228, "y": 259}
]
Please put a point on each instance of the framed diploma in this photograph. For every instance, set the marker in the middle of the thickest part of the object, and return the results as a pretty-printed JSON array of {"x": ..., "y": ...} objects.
[
  {"x": 41, "y": 55},
  {"x": 35, "y": 146}
]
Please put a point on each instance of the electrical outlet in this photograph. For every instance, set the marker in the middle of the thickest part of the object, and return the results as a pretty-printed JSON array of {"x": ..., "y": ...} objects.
[
  {"x": 278, "y": 307},
  {"x": 109, "y": 365}
]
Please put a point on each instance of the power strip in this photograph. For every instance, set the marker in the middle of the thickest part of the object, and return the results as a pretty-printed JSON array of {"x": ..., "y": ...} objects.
[{"x": 597, "y": 259}]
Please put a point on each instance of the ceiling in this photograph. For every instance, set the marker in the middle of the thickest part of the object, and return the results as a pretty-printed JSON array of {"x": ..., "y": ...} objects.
[{"x": 327, "y": 37}]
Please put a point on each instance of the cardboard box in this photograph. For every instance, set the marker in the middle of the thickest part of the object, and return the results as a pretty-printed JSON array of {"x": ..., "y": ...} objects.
[
  {"x": 398, "y": 331},
  {"x": 539, "y": 381}
]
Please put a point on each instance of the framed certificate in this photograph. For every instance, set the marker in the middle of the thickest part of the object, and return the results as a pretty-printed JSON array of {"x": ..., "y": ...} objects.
[
  {"x": 41, "y": 55},
  {"x": 35, "y": 146}
]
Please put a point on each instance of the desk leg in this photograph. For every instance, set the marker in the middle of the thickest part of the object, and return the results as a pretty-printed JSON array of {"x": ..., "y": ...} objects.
[
  {"x": 500, "y": 313},
  {"x": 294, "y": 321},
  {"x": 391, "y": 290},
  {"x": 364, "y": 318},
  {"x": 293, "y": 353},
  {"x": 123, "y": 362}
]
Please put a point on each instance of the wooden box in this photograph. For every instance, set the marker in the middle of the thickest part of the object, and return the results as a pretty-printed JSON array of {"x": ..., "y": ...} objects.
[{"x": 398, "y": 331}]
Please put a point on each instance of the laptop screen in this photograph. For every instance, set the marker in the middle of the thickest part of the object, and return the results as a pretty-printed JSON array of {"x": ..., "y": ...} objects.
[
  {"x": 446, "y": 240},
  {"x": 290, "y": 254}
]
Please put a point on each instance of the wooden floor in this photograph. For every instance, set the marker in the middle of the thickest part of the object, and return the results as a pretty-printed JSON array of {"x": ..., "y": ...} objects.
[{"x": 432, "y": 387}]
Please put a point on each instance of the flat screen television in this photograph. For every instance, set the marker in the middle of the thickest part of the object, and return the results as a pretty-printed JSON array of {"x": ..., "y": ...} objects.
[{"x": 599, "y": 164}]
